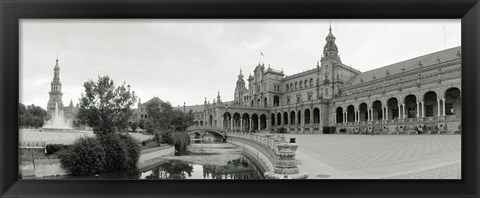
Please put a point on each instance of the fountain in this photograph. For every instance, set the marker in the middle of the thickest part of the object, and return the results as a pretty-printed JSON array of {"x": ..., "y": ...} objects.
[{"x": 58, "y": 122}]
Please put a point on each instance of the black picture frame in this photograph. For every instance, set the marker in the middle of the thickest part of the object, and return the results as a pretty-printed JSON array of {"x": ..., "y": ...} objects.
[{"x": 13, "y": 10}]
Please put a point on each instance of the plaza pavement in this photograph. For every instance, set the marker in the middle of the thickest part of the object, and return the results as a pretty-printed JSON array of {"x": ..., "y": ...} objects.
[{"x": 379, "y": 156}]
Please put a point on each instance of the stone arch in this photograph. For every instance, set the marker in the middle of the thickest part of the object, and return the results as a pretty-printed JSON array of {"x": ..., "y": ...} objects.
[
  {"x": 363, "y": 112},
  {"x": 226, "y": 120},
  {"x": 236, "y": 121},
  {"x": 246, "y": 121},
  {"x": 410, "y": 102},
  {"x": 263, "y": 122},
  {"x": 316, "y": 115},
  {"x": 279, "y": 119},
  {"x": 350, "y": 113},
  {"x": 453, "y": 101},
  {"x": 306, "y": 115},
  {"x": 430, "y": 104},
  {"x": 255, "y": 123},
  {"x": 272, "y": 119},
  {"x": 292, "y": 117},
  {"x": 339, "y": 115},
  {"x": 393, "y": 112},
  {"x": 299, "y": 117},
  {"x": 377, "y": 112},
  {"x": 210, "y": 120},
  {"x": 201, "y": 123}
]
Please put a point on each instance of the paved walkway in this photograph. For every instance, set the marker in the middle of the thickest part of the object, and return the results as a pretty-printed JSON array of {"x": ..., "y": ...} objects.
[
  {"x": 379, "y": 156},
  {"x": 61, "y": 137}
]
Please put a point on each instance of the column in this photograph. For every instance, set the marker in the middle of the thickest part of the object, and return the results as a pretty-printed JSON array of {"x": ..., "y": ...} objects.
[
  {"x": 418, "y": 109},
  {"x": 404, "y": 113},
  {"x": 259, "y": 123},
  {"x": 369, "y": 115},
  {"x": 399, "y": 112},
  {"x": 423, "y": 109},
  {"x": 443, "y": 113},
  {"x": 335, "y": 117},
  {"x": 231, "y": 123},
  {"x": 345, "y": 117},
  {"x": 386, "y": 113},
  {"x": 251, "y": 124},
  {"x": 241, "y": 124},
  {"x": 268, "y": 123},
  {"x": 438, "y": 108}
]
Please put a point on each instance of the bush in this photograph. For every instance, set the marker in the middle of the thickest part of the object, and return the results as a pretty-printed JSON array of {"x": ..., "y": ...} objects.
[
  {"x": 133, "y": 150},
  {"x": 116, "y": 153},
  {"x": 168, "y": 137},
  {"x": 85, "y": 156},
  {"x": 182, "y": 140},
  {"x": 54, "y": 148}
]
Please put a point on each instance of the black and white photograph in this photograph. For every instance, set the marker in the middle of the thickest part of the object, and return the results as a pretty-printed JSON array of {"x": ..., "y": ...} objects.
[{"x": 242, "y": 99}]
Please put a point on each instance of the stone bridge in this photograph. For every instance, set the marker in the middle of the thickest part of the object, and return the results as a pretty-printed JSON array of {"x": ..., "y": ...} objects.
[{"x": 200, "y": 131}]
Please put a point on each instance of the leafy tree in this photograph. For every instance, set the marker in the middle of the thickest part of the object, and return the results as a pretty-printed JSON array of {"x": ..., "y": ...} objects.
[
  {"x": 161, "y": 115},
  {"x": 31, "y": 115},
  {"x": 105, "y": 107}
]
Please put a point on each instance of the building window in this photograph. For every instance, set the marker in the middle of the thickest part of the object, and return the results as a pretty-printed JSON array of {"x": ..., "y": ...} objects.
[
  {"x": 301, "y": 84},
  {"x": 288, "y": 99},
  {"x": 306, "y": 83},
  {"x": 296, "y": 85},
  {"x": 311, "y": 82},
  {"x": 298, "y": 98}
]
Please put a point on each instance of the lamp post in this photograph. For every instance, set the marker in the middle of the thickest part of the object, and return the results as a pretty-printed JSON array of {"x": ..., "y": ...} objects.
[{"x": 184, "y": 107}]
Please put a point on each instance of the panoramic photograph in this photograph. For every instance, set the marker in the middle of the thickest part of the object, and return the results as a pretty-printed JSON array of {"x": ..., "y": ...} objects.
[{"x": 174, "y": 99}]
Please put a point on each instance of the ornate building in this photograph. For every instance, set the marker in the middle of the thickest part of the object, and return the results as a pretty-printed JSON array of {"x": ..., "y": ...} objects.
[
  {"x": 419, "y": 95},
  {"x": 55, "y": 96}
]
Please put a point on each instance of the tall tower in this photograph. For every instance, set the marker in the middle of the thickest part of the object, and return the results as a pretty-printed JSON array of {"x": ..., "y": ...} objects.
[
  {"x": 240, "y": 89},
  {"x": 55, "y": 91},
  {"x": 329, "y": 60}
]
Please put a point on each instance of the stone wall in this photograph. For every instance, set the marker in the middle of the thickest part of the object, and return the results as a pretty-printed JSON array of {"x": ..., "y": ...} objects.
[{"x": 262, "y": 155}]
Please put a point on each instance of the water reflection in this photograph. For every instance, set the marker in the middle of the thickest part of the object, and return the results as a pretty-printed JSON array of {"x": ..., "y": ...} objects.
[{"x": 240, "y": 168}]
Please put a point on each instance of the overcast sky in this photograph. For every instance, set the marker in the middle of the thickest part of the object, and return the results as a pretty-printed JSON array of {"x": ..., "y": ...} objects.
[{"x": 188, "y": 60}]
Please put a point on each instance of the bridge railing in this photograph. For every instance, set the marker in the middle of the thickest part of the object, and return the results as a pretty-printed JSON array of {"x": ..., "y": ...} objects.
[
  {"x": 192, "y": 128},
  {"x": 267, "y": 140},
  {"x": 282, "y": 152}
]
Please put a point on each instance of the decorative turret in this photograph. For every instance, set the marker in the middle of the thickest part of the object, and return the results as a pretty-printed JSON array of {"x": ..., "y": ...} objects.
[
  {"x": 219, "y": 100},
  {"x": 55, "y": 90},
  {"x": 330, "y": 50},
  {"x": 240, "y": 89}
]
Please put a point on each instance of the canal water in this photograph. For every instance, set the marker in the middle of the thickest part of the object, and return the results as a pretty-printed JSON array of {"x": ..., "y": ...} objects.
[
  {"x": 203, "y": 160},
  {"x": 206, "y": 160}
]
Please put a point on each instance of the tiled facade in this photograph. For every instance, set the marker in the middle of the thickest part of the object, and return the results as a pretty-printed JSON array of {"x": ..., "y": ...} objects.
[{"x": 419, "y": 95}]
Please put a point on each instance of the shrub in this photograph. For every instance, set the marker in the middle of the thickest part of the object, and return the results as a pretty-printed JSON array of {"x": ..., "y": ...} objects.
[
  {"x": 168, "y": 138},
  {"x": 134, "y": 126},
  {"x": 133, "y": 150},
  {"x": 116, "y": 153},
  {"x": 54, "y": 148},
  {"x": 84, "y": 157},
  {"x": 182, "y": 140}
]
